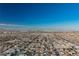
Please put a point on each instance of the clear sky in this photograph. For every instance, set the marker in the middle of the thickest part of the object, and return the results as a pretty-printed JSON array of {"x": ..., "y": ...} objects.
[{"x": 55, "y": 16}]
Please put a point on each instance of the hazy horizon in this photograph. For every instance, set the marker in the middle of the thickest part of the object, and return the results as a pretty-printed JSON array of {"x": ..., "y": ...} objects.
[{"x": 53, "y": 17}]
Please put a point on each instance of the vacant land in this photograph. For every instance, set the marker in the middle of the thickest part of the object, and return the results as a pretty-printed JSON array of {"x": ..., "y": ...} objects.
[{"x": 17, "y": 43}]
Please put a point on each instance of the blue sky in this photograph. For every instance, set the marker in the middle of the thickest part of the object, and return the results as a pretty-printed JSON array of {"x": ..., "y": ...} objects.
[{"x": 55, "y": 16}]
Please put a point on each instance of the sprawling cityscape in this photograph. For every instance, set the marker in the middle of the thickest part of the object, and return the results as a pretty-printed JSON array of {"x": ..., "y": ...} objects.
[
  {"x": 33, "y": 29},
  {"x": 17, "y": 43}
]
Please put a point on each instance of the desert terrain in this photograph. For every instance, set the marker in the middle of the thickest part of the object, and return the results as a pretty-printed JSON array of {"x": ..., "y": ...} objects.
[{"x": 29, "y": 43}]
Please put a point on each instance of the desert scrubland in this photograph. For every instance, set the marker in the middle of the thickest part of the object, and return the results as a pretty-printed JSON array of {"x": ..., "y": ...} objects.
[{"x": 29, "y": 43}]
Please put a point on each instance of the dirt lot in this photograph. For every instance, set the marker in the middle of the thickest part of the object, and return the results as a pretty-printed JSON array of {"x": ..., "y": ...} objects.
[{"x": 17, "y": 43}]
